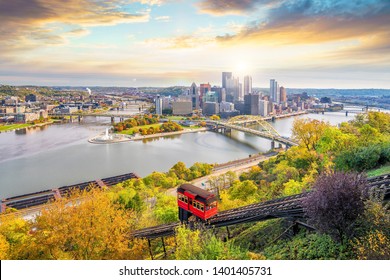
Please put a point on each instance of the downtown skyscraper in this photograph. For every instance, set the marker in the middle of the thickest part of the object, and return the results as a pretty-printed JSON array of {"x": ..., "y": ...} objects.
[
  {"x": 247, "y": 85},
  {"x": 274, "y": 91}
]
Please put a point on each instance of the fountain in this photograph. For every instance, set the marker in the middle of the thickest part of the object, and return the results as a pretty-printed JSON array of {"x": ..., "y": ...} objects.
[{"x": 108, "y": 138}]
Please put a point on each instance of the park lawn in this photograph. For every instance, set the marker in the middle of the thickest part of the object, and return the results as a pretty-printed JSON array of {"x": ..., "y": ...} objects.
[
  {"x": 176, "y": 118},
  {"x": 14, "y": 126},
  {"x": 130, "y": 131},
  {"x": 379, "y": 171}
]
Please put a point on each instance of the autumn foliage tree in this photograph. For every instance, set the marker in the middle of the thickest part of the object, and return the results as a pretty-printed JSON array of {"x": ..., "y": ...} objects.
[
  {"x": 90, "y": 226},
  {"x": 335, "y": 203},
  {"x": 308, "y": 132}
]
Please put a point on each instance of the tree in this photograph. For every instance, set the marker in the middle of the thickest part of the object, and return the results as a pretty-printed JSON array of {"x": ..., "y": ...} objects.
[
  {"x": 308, "y": 132},
  {"x": 89, "y": 226},
  {"x": 335, "y": 203},
  {"x": 373, "y": 243},
  {"x": 181, "y": 171},
  {"x": 245, "y": 190},
  {"x": 380, "y": 121},
  {"x": 165, "y": 210},
  {"x": 197, "y": 245},
  {"x": 14, "y": 237},
  {"x": 4, "y": 247}
]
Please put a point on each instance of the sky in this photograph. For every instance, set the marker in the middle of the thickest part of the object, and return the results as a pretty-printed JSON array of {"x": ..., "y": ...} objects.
[{"x": 134, "y": 43}]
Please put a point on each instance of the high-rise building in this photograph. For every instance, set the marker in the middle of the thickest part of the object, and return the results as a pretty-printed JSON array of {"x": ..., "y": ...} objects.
[
  {"x": 225, "y": 77},
  {"x": 251, "y": 104},
  {"x": 220, "y": 93},
  {"x": 210, "y": 96},
  {"x": 247, "y": 85},
  {"x": 274, "y": 91},
  {"x": 263, "y": 108},
  {"x": 283, "y": 95},
  {"x": 203, "y": 89},
  {"x": 233, "y": 90},
  {"x": 194, "y": 93},
  {"x": 159, "y": 105},
  {"x": 210, "y": 108}
]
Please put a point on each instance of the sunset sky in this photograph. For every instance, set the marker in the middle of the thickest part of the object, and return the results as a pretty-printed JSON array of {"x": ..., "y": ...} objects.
[{"x": 305, "y": 44}]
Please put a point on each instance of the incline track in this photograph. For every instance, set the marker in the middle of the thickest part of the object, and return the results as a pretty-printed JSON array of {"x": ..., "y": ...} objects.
[
  {"x": 277, "y": 208},
  {"x": 42, "y": 197}
]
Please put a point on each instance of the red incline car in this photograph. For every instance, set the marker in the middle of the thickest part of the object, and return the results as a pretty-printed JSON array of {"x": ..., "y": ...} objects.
[{"x": 195, "y": 201}]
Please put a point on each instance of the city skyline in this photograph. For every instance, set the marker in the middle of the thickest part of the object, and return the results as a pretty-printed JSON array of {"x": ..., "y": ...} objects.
[{"x": 305, "y": 44}]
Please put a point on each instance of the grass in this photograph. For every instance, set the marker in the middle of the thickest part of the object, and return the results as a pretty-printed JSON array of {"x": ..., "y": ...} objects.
[
  {"x": 131, "y": 131},
  {"x": 176, "y": 118},
  {"x": 14, "y": 126},
  {"x": 379, "y": 171}
]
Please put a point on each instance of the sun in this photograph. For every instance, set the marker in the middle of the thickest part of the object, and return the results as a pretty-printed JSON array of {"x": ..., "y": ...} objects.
[{"x": 241, "y": 68}]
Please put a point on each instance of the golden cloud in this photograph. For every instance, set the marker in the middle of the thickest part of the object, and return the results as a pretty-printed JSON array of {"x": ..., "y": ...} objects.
[{"x": 27, "y": 21}]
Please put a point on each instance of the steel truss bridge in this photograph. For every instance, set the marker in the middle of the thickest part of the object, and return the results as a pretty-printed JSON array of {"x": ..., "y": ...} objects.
[
  {"x": 265, "y": 130},
  {"x": 286, "y": 207}
]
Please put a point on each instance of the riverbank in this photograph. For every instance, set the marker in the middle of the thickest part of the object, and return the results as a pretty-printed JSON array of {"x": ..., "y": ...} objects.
[
  {"x": 16, "y": 127},
  {"x": 158, "y": 135}
]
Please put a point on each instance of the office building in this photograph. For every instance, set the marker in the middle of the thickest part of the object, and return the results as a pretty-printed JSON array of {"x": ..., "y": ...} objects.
[
  {"x": 274, "y": 91},
  {"x": 220, "y": 93},
  {"x": 225, "y": 77},
  {"x": 203, "y": 90},
  {"x": 233, "y": 90},
  {"x": 210, "y": 108},
  {"x": 159, "y": 105},
  {"x": 194, "y": 93},
  {"x": 247, "y": 85},
  {"x": 182, "y": 107},
  {"x": 263, "y": 108},
  {"x": 283, "y": 95},
  {"x": 251, "y": 104}
]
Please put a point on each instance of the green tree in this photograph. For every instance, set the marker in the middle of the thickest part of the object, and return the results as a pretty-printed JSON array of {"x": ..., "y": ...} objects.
[
  {"x": 166, "y": 210},
  {"x": 245, "y": 191},
  {"x": 308, "y": 132}
]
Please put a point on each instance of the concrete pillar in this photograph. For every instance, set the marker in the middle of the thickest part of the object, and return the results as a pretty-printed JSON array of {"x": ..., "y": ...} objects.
[
  {"x": 3, "y": 207},
  {"x": 272, "y": 144},
  {"x": 57, "y": 194}
]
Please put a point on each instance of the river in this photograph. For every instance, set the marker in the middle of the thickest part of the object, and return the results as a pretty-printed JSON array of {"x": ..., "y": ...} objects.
[{"x": 52, "y": 156}]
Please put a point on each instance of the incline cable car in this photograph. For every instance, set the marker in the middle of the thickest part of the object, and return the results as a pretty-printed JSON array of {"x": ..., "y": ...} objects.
[{"x": 195, "y": 201}]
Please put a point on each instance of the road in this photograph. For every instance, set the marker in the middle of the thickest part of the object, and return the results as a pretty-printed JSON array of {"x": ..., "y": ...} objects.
[{"x": 237, "y": 168}]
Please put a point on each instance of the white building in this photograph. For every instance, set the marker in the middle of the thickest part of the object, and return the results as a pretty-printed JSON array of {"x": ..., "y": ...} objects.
[
  {"x": 263, "y": 108},
  {"x": 159, "y": 105}
]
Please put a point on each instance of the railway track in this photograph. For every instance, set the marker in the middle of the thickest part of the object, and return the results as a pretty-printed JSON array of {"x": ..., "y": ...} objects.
[
  {"x": 42, "y": 197},
  {"x": 277, "y": 208}
]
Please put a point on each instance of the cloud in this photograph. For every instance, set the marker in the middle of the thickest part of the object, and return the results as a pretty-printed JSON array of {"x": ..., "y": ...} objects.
[
  {"x": 78, "y": 32},
  {"x": 315, "y": 21},
  {"x": 163, "y": 18},
  {"x": 226, "y": 7},
  {"x": 151, "y": 2},
  {"x": 190, "y": 41},
  {"x": 27, "y": 21}
]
